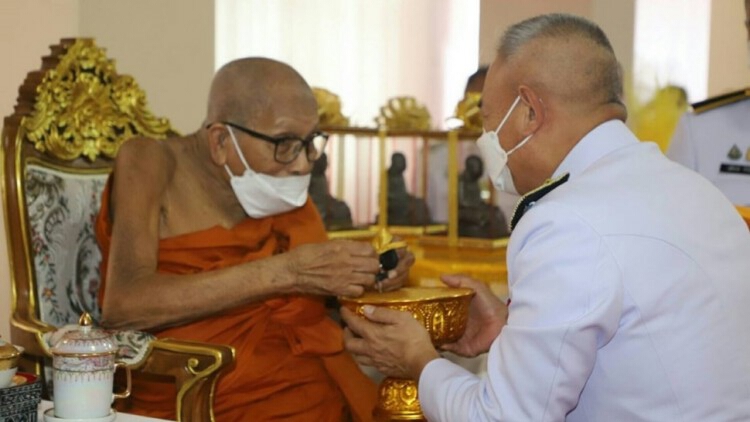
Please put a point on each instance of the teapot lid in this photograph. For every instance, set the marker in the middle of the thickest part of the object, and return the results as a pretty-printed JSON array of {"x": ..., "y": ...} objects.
[
  {"x": 85, "y": 340},
  {"x": 8, "y": 351}
]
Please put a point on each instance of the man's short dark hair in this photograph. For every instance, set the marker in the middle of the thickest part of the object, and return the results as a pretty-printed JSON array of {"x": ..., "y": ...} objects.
[{"x": 480, "y": 73}]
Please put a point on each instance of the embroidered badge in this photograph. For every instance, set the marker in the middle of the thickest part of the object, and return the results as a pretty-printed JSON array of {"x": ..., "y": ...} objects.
[
  {"x": 734, "y": 153},
  {"x": 747, "y": 155}
]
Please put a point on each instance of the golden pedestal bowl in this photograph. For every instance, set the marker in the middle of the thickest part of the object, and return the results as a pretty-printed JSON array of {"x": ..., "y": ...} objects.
[{"x": 443, "y": 311}]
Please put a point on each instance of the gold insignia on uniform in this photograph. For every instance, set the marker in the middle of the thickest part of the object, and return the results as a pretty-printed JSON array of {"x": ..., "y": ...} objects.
[
  {"x": 721, "y": 100},
  {"x": 747, "y": 154},
  {"x": 734, "y": 153}
]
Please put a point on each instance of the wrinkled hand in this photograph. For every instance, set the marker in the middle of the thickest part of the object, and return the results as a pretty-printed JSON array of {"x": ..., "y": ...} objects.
[
  {"x": 397, "y": 277},
  {"x": 336, "y": 267},
  {"x": 487, "y": 316},
  {"x": 391, "y": 341}
]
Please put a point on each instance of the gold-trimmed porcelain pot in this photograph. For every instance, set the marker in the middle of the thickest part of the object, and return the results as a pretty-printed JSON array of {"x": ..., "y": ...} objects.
[{"x": 84, "y": 367}]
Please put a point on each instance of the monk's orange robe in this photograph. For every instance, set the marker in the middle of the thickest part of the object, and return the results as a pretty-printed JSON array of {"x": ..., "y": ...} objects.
[{"x": 290, "y": 362}]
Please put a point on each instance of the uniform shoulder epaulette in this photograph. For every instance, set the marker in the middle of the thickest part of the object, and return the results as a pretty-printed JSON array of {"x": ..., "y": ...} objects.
[{"x": 721, "y": 100}]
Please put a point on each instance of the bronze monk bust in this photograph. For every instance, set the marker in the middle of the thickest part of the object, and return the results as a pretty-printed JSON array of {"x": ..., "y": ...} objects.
[
  {"x": 404, "y": 209},
  {"x": 334, "y": 212},
  {"x": 477, "y": 218}
]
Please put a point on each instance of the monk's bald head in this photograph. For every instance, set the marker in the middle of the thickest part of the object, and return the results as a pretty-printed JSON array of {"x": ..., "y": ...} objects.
[
  {"x": 565, "y": 57},
  {"x": 248, "y": 89}
]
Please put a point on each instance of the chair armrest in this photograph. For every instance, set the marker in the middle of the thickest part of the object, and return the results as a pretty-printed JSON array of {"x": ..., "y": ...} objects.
[
  {"x": 28, "y": 333},
  {"x": 195, "y": 367}
]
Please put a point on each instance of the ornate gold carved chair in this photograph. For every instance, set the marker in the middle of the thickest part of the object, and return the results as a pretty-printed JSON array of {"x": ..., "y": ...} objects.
[{"x": 71, "y": 117}]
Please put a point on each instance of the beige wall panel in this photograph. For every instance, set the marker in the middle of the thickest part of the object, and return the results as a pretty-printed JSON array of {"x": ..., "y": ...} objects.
[
  {"x": 728, "y": 56},
  {"x": 496, "y": 15},
  {"x": 27, "y": 29},
  {"x": 166, "y": 45},
  {"x": 617, "y": 19}
]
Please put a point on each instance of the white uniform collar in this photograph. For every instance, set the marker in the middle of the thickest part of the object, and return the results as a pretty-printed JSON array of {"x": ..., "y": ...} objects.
[{"x": 603, "y": 139}]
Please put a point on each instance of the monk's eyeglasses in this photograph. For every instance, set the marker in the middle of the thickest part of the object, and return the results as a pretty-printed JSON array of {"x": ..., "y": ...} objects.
[{"x": 287, "y": 148}]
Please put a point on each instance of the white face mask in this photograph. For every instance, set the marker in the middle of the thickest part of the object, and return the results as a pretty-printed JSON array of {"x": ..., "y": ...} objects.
[
  {"x": 495, "y": 157},
  {"x": 262, "y": 195}
]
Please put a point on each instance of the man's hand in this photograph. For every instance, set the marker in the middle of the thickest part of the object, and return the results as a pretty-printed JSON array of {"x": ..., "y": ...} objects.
[
  {"x": 487, "y": 316},
  {"x": 397, "y": 277},
  {"x": 391, "y": 341},
  {"x": 336, "y": 267}
]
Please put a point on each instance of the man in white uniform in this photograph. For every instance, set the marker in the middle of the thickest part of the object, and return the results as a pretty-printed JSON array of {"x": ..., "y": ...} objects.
[
  {"x": 714, "y": 139},
  {"x": 628, "y": 273}
]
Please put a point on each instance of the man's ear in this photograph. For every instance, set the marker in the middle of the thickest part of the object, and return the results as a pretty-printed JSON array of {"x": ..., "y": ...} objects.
[
  {"x": 536, "y": 110},
  {"x": 218, "y": 143}
]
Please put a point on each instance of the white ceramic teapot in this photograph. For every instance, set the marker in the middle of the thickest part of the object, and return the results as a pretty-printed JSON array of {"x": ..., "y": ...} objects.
[{"x": 84, "y": 368}]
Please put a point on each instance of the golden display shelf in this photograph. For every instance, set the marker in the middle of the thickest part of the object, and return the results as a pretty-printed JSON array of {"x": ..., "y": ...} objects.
[
  {"x": 437, "y": 248},
  {"x": 481, "y": 259}
]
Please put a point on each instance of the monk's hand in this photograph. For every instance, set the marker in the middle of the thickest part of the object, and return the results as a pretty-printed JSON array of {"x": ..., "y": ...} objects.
[
  {"x": 398, "y": 276},
  {"x": 487, "y": 317},
  {"x": 391, "y": 341},
  {"x": 336, "y": 267}
]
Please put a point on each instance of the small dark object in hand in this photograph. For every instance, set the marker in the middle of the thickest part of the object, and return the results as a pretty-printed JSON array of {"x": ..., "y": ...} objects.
[{"x": 388, "y": 261}]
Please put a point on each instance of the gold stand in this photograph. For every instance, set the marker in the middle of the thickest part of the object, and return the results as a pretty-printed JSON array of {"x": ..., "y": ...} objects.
[{"x": 397, "y": 401}]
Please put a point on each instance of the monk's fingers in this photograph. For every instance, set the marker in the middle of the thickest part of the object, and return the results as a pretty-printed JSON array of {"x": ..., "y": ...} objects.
[
  {"x": 367, "y": 265},
  {"x": 404, "y": 253},
  {"x": 361, "y": 249},
  {"x": 353, "y": 290},
  {"x": 403, "y": 266},
  {"x": 398, "y": 276},
  {"x": 391, "y": 284},
  {"x": 362, "y": 279}
]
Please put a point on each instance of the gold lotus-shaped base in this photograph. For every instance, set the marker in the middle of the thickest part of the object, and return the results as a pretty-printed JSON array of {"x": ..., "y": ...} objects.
[
  {"x": 443, "y": 311},
  {"x": 397, "y": 401}
]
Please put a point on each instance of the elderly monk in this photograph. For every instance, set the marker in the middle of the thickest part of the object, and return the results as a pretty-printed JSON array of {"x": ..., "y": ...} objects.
[{"x": 211, "y": 237}]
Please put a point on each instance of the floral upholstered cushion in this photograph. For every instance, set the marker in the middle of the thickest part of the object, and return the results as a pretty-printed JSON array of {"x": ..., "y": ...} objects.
[{"x": 62, "y": 211}]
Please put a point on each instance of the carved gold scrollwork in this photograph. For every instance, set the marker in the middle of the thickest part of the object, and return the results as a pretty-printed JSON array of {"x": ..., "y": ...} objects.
[
  {"x": 467, "y": 110},
  {"x": 329, "y": 109},
  {"x": 403, "y": 113},
  {"x": 84, "y": 108}
]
